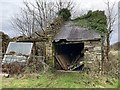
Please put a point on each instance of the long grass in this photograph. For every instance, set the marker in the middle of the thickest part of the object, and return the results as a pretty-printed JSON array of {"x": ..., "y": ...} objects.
[{"x": 60, "y": 80}]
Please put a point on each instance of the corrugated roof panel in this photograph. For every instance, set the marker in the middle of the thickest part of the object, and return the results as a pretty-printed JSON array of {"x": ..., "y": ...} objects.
[{"x": 70, "y": 32}]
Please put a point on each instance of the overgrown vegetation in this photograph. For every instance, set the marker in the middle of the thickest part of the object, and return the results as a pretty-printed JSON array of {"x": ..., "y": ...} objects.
[
  {"x": 96, "y": 20},
  {"x": 65, "y": 80},
  {"x": 60, "y": 80},
  {"x": 65, "y": 13}
]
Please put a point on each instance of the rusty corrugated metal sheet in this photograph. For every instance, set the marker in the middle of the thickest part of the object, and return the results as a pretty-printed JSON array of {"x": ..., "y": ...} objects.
[{"x": 70, "y": 32}]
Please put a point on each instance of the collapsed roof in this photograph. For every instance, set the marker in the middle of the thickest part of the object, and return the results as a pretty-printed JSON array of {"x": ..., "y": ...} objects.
[{"x": 70, "y": 32}]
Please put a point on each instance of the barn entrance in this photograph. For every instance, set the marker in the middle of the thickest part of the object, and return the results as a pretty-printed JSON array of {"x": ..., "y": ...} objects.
[{"x": 69, "y": 56}]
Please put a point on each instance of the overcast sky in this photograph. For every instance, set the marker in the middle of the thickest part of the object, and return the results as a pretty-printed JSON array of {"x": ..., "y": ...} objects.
[{"x": 8, "y": 8}]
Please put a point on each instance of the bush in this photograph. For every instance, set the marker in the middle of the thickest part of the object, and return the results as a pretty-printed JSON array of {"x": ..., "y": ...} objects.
[
  {"x": 65, "y": 13},
  {"x": 112, "y": 67}
]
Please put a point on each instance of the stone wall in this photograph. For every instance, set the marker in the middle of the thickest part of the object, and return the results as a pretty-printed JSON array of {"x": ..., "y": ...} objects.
[
  {"x": 49, "y": 51},
  {"x": 92, "y": 50},
  {"x": 92, "y": 55}
]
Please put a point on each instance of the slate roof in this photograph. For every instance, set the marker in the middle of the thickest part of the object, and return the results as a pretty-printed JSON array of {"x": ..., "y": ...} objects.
[{"x": 70, "y": 32}]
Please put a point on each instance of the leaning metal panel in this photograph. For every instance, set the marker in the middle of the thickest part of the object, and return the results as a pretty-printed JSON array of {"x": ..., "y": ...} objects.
[{"x": 17, "y": 51}]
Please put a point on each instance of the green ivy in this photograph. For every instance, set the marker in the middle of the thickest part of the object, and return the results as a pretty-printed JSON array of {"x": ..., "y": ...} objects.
[{"x": 93, "y": 19}]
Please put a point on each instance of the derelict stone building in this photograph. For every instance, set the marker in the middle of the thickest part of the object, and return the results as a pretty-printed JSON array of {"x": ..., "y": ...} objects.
[{"x": 73, "y": 45}]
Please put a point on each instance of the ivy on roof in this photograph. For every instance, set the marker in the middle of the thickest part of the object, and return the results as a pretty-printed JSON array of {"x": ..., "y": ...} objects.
[{"x": 93, "y": 19}]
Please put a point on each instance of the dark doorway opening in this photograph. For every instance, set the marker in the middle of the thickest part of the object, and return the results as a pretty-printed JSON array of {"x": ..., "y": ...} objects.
[{"x": 69, "y": 56}]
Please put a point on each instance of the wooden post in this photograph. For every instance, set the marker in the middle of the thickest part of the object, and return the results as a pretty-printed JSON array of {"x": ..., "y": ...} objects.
[{"x": 102, "y": 54}]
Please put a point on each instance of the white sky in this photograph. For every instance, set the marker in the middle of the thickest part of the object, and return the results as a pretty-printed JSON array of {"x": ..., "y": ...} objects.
[{"x": 8, "y": 8}]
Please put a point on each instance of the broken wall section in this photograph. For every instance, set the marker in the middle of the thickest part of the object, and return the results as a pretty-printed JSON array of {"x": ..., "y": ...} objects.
[{"x": 52, "y": 30}]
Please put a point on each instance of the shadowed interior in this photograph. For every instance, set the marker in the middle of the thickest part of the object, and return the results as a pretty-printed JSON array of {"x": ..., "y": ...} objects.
[{"x": 67, "y": 54}]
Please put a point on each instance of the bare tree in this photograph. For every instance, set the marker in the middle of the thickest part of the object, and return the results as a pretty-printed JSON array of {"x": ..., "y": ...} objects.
[
  {"x": 111, "y": 18},
  {"x": 24, "y": 22},
  {"x": 33, "y": 18},
  {"x": 37, "y": 16},
  {"x": 60, "y": 4}
]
